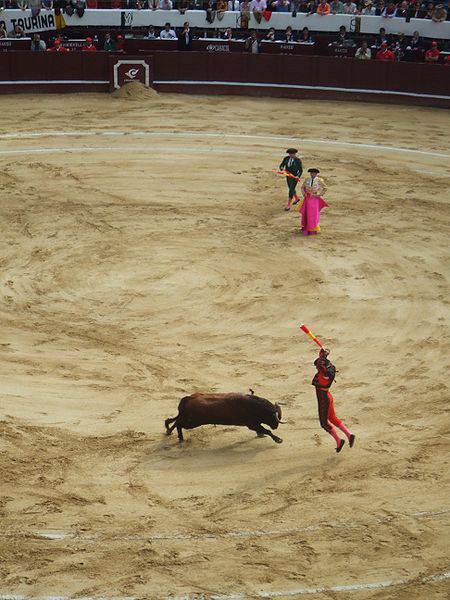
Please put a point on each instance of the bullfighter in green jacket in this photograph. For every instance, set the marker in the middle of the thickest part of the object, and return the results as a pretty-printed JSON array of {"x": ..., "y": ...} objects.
[{"x": 293, "y": 165}]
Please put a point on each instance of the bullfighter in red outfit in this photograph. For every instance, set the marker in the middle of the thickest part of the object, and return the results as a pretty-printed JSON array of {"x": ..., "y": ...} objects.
[{"x": 322, "y": 381}]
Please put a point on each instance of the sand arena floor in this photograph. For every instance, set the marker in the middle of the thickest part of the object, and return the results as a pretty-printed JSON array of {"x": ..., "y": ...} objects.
[{"x": 144, "y": 256}]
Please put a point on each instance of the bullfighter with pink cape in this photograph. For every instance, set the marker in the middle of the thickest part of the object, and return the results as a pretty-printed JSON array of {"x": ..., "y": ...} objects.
[{"x": 313, "y": 189}]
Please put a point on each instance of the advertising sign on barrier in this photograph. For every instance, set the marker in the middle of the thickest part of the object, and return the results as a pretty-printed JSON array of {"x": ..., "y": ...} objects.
[{"x": 44, "y": 21}]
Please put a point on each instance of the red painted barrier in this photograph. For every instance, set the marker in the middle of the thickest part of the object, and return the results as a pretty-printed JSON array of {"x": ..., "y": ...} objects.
[
  {"x": 303, "y": 77},
  {"x": 237, "y": 73},
  {"x": 50, "y": 72}
]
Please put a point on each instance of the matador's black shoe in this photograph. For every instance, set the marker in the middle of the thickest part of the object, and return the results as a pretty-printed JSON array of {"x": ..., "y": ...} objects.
[
  {"x": 341, "y": 445},
  {"x": 351, "y": 440}
]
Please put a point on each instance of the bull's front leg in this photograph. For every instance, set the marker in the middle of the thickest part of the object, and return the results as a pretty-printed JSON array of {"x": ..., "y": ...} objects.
[
  {"x": 262, "y": 431},
  {"x": 180, "y": 433}
]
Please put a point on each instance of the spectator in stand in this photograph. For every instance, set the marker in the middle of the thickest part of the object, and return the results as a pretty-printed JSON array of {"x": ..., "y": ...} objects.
[
  {"x": 185, "y": 39},
  {"x": 382, "y": 38},
  {"x": 368, "y": 8},
  {"x": 120, "y": 44},
  {"x": 222, "y": 7},
  {"x": 415, "y": 43},
  {"x": 270, "y": 37},
  {"x": 342, "y": 37},
  {"x": 363, "y": 53},
  {"x": 289, "y": 36},
  {"x": 154, "y": 4},
  {"x": 429, "y": 11},
  {"x": 17, "y": 32},
  {"x": 75, "y": 6},
  {"x": 210, "y": 7},
  {"x": 416, "y": 10},
  {"x": 323, "y": 9},
  {"x": 166, "y": 5},
  {"x": 167, "y": 33},
  {"x": 337, "y": 7},
  {"x": 47, "y": 4},
  {"x": 3, "y": 33},
  {"x": 257, "y": 8},
  {"x": 311, "y": 7},
  {"x": 151, "y": 34},
  {"x": 281, "y": 6},
  {"x": 38, "y": 45},
  {"x": 140, "y": 4},
  {"x": 89, "y": 46},
  {"x": 432, "y": 55},
  {"x": 384, "y": 53},
  {"x": 413, "y": 48},
  {"x": 402, "y": 10},
  {"x": 305, "y": 37},
  {"x": 227, "y": 34},
  {"x": 58, "y": 47},
  {"x": 183, "y": 6},
  {"x": 349, "y": 8},
  {"x": 108, "y": 44},
  {"x": 245, "y": 9},
  {"x": 22, "y": 4},
  {"x": 439, "y": 14},
  {"x": 413, "y": 8},
  {"x": 252, "y": 44},
  {"x": 389, "y": 11},
  {"x": 399, "y": 46},
  {"x": 379, "y": 8},
  {"x": 234, "y": 5}
]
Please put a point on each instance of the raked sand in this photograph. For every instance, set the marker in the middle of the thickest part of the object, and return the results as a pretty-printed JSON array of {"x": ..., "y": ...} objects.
[{"x": 142, "y": 265}]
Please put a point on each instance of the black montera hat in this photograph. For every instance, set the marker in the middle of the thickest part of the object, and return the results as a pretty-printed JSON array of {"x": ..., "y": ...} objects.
[
  {"x": 313, "y": 170},
  {"x": 292, "y": 150}
]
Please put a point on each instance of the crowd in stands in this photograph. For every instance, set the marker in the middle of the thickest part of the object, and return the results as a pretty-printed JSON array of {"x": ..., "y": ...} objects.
[
  {"x": 405, "y": 9},
  {"x": 382, "y": 47},
  {"x": 68, "y": 6}
]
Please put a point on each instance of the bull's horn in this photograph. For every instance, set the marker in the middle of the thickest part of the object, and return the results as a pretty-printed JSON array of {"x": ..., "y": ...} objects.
[
  {"x": 278, "y": 412},
  {"x": 251, "y": 392}
]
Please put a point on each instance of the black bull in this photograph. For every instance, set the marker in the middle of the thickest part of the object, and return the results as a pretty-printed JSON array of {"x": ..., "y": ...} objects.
[{"x": 245, "y": 410}]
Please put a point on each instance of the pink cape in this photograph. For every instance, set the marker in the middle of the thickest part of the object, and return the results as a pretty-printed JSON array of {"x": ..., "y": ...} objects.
[{"x": 310, "y": 213}]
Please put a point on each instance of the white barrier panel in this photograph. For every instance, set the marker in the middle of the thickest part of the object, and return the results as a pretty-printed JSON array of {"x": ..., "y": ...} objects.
[
  {"x": 197, "y": 18},
  {"x": 426, "y": 27},
  {"x": 45, "y": 21}
]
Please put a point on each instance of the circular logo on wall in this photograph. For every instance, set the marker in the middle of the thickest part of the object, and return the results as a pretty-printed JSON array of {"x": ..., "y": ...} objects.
[{"x": 132, "y": 73}]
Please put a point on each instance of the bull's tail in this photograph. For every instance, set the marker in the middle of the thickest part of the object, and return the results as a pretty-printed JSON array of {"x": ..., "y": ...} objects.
[{"x": 171, "y": 423}]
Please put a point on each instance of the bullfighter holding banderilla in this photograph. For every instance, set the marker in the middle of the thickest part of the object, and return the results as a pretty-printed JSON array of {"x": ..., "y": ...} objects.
[{"x": 322, "y": 381}]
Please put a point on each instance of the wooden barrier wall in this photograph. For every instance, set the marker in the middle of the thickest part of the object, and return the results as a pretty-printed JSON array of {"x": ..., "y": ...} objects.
[
  {"x": 49, "y": 66},
  {"x": 279, "y": 75}
]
